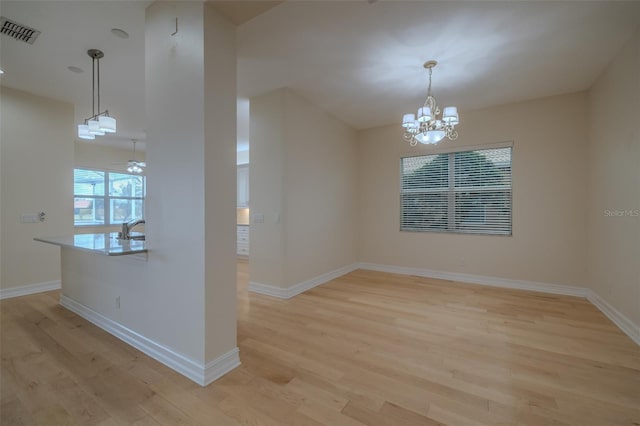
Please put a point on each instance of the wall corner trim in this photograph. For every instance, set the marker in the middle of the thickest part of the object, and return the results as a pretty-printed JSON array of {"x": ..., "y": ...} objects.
[
  {"x": 196, "y": 371},
  {"x": 288, "y": 293},
  {"x": 23, "y": 290},
  {"x": 625, "y": 324}
]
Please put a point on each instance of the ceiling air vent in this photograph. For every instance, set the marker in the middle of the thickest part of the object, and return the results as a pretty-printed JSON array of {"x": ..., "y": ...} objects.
[{"x": 18, "y": 31}]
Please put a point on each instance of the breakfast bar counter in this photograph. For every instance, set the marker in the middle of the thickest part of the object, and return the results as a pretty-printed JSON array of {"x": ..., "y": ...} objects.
[{"x": 104, "y": 243}]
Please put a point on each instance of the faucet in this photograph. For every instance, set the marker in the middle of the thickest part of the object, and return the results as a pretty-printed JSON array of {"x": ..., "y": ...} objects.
[{"x": 125, "y": 234}]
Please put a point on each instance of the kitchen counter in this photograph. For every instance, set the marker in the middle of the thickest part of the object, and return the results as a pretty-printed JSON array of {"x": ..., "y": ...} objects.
[{"x": 105, "y": 243}]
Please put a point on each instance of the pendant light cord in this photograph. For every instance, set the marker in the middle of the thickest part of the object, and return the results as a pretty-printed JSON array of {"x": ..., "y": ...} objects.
[
  {"x": 98, "y": 85},
  {"x": 93, "y": 87}
]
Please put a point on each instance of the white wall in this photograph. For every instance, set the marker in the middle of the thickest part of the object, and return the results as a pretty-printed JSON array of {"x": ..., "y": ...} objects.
[
  {"x": 266, "y": 186},
  {"x": 320, "y": 191},
  {"x": 549, "y": 196},
  {"x": 303, "y": 180},
  {"x": 36, "y": 174},
  {"x": 614, "y": 183}
]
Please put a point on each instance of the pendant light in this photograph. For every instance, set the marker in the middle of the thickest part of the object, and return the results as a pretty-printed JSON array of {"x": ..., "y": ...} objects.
[{"x": 99, "y": 123}]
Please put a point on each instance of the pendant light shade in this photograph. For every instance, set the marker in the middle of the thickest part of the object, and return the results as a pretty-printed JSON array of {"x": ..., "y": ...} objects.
[
  {"x": 107, "y": 124},
  {"x": 94, "y": 128},
  {"x": 407, "y": 120},
  {"x": 101, "y": 123},
  {"x": 83, "y": 132}
]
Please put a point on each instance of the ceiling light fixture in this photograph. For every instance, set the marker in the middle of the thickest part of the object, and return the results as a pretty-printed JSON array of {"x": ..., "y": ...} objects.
[
  {"x": 134, "y": 166},
  {"x": 428, "y": 128},
  {"x": 101, "y": 123}
]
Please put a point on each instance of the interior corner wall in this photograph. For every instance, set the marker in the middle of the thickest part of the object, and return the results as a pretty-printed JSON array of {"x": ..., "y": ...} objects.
[
  {"x": 548, "y": 244},
  {"x": 36, "y": 174},
  {"x": 614, "y": 183},
  {"x": 303, "y": 183}
]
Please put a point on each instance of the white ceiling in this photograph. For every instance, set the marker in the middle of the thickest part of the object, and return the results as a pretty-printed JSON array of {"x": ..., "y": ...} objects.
[
  {"x": 360, "y": 61},
  {"x": 363, "y": 62}
]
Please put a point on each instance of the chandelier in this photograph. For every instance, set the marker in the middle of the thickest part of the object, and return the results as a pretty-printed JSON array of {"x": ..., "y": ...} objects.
[
  {"x": 428, "y": 128},
  {"x": 134, "y": 166},
  {"x": 101, "y": 123}
]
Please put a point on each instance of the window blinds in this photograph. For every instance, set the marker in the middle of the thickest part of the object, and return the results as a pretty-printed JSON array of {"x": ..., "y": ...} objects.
[{"x": 462, "y": 192}]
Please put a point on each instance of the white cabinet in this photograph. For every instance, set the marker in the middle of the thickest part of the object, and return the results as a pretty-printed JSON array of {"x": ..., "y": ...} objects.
[
  {"x": 243, "y": 186},
  {"x": 243, "y": 240}
]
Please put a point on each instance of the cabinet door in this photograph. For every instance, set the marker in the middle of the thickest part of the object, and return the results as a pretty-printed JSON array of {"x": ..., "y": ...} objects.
[{"x": 243, "y": 186}]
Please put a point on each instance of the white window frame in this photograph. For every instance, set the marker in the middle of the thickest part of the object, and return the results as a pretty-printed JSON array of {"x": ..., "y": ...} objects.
[
  {"x": 451, "y": 191},
  {"x": 107, "y": 198}
]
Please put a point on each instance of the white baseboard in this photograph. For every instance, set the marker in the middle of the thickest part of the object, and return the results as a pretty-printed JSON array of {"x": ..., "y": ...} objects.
[
  {"x": 23, "y": 290},
  {"x": 625, "y": 324},
  {"x": 268, "y": 290},
  {"x": 199, "y": 373},
  {"x": 220, "y": 366},
  {"x": 565, "y": 290},
  {"x": 287, "y": 293}
]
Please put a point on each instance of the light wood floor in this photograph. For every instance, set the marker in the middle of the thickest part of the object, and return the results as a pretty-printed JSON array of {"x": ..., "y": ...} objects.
[{"x": 366, "y": 349}]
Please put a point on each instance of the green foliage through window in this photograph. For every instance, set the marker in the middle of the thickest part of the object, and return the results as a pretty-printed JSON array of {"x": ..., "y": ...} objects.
[{"x": 463, "y": 192}]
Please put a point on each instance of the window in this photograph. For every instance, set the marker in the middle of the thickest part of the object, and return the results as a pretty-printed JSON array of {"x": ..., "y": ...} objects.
[
  {"x": 107, "y": 198},
  {"x": 461, "y": 192}
]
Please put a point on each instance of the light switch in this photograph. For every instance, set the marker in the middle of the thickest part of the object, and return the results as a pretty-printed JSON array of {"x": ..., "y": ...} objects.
[
  {"x": 29, "y": 218},
  {"x": 258, "y": 218}
]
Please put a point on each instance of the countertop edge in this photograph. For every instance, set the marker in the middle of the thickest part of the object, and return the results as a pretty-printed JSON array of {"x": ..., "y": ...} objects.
[{"x": 58, "y": 241}]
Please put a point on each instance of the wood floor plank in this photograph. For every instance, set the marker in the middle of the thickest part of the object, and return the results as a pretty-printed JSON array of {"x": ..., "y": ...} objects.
[{"x": 368, "y": 348}]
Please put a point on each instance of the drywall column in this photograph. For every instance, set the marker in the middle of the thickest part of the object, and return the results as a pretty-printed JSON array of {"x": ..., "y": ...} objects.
[
  {"x": 36, "y": 151},
  {"x": 191, "y": 138}
]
